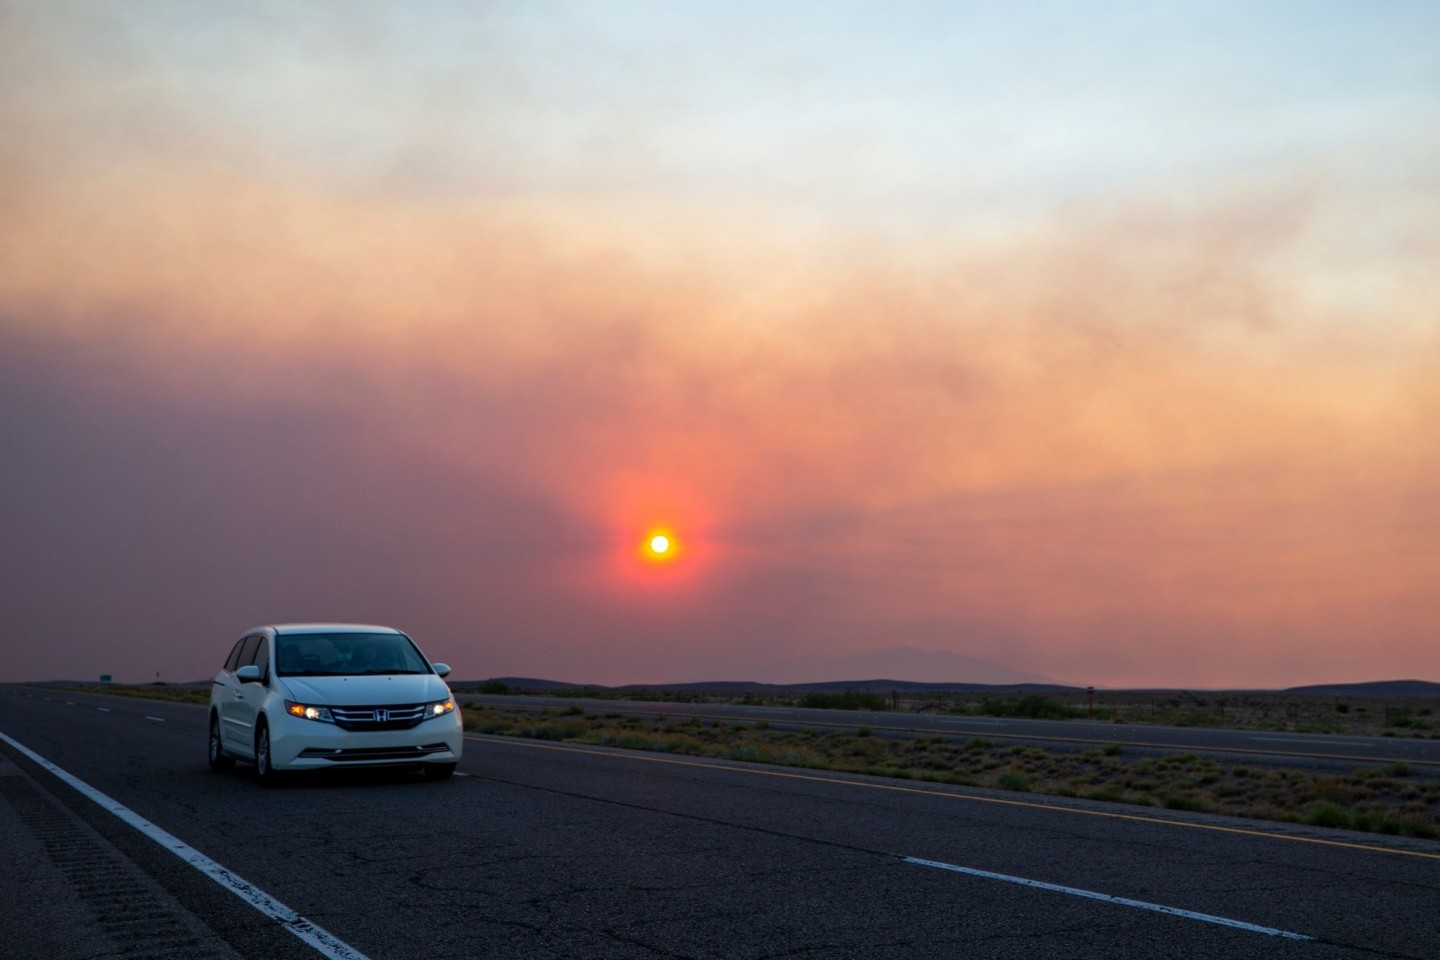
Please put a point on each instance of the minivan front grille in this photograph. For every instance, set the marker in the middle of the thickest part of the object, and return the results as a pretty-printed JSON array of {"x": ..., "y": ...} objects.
[{"x": 398, "y": 717}]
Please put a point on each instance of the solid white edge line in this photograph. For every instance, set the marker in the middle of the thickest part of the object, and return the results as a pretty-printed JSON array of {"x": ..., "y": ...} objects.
[
  {"x": 1123, "y": 901},
  {"x": 324, "y": 942}
]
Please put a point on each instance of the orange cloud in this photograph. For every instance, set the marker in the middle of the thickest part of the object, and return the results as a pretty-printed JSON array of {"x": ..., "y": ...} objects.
[{"x": 1097, "y": 445}]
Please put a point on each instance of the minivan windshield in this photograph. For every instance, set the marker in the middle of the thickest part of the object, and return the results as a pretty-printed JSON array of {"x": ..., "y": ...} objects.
[{"x": 346, "y": 654}]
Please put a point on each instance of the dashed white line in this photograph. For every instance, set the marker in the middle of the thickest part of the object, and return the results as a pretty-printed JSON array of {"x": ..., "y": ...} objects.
[
  {"x": 1107, "y": 898},
  {"x": 326, "y": 943},
  {"x": 103, "y": 709},
  {"x": 1311, "y": 741},
  {"x": 156, "y": 719}
]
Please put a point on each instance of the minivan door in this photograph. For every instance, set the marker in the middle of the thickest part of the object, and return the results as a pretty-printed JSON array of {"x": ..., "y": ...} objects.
[
  {"x": 235, "y": 726},
  {"x": 249, "y": 698}
]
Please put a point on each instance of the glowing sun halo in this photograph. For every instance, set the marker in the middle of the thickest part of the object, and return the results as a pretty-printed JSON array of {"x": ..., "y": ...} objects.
[{"x": 659, "y": 544}]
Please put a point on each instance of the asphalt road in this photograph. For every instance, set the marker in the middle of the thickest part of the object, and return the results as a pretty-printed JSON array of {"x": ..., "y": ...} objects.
[
  {"x": 552, "y": 850},
  {"x": 1258, "y": 744}
]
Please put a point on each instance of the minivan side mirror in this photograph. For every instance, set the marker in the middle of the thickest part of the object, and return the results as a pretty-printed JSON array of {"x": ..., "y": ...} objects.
[
  {"x": 248, "y": 674},
  {"x": 441, "y": 669}
]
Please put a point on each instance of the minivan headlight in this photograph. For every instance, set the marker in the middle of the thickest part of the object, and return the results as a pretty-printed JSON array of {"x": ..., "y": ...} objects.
[
  {"x": 433, "y": 710},
  {"x": 307, "y": 711}
]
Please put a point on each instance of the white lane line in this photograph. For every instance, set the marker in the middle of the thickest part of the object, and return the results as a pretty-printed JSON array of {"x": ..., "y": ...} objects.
[
  {"x": 156, "y": 719},
  {"x": 103, "y": 709},
  {"x": 324, "y": 942},
  {"x": 69, "y": 703},
  {"x": 1310, "y": 740},
  {"x": 1122, "y": 901}
]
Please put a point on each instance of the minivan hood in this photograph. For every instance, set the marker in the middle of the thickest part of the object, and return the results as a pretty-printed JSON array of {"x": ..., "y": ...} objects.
[{"x": 365, "y": 691}]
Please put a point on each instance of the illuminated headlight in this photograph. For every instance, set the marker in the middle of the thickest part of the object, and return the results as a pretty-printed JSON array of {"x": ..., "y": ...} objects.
[
  {"x": 307, "y": 712},
  {"x": 433, "y": 710}
]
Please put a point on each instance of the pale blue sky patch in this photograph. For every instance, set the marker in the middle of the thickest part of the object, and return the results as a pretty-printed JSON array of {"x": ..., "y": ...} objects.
[{"x": 856, "y": 110}]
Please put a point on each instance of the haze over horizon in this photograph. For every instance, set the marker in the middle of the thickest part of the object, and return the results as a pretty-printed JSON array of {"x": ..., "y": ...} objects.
[{"x": 1100, "y": 347}]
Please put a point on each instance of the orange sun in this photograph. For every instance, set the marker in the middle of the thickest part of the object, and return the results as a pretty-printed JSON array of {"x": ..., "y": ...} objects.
[{"x": 660, "y": 546}]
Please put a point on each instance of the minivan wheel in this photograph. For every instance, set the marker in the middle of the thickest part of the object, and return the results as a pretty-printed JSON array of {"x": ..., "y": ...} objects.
[
  {"x": 264, "y": 762},
  {"x": 439, "y": 771},
  {"x": 220, "y": 761}
]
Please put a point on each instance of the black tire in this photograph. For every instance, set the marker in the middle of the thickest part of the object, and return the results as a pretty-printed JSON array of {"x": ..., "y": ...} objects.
[
  {"x": 264, "y": 764},
  {"x": 439, "y": 771},
  {"x": 220, "y": 761}
]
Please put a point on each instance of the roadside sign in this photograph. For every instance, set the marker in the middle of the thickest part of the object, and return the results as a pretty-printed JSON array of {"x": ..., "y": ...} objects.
[{"x": 104, "y": 678}]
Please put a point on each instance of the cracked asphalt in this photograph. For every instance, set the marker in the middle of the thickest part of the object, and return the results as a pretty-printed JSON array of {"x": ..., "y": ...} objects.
[{"x": 546, "y": 850}]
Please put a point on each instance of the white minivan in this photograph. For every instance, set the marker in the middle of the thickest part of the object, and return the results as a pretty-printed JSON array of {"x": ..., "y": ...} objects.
[{"x": 314, "y": 696}]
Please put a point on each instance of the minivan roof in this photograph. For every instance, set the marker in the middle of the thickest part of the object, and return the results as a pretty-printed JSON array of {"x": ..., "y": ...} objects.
[{"x": 329, "y": 628}]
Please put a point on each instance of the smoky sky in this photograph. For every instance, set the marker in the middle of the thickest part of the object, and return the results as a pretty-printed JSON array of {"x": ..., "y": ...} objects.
[{"x": 910, "y": 336}]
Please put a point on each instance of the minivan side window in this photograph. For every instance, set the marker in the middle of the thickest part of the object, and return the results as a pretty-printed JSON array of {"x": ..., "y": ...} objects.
[
  {"x": 232, "y": 662},
  {"x": 247, "y": 653},
  {"x": 262, "y": 658}
]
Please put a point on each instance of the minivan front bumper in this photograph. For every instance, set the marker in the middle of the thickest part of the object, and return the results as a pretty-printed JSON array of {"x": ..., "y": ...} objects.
[{"x": 299, "y": 744}]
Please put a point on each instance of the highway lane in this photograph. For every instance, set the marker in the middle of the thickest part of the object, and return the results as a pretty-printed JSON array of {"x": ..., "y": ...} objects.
[
  {"x": 1421, "y": 753},
  {"x": 551, "y": 850}
]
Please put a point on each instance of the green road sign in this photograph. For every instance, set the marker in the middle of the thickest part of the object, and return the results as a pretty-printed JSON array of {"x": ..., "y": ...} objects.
[{"x": 104, "y": 678}]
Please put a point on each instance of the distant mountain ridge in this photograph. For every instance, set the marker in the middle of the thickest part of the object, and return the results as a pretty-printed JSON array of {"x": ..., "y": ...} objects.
[
  {"x": 891, "y": 669},
  {"x": 1374, "y": 688},
  {"x": 537, "y": 685},
  {"x": 1383, "y": 689},
  {"x": 1391, "y": 689},
  {"x": 895, "y": 663}
]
